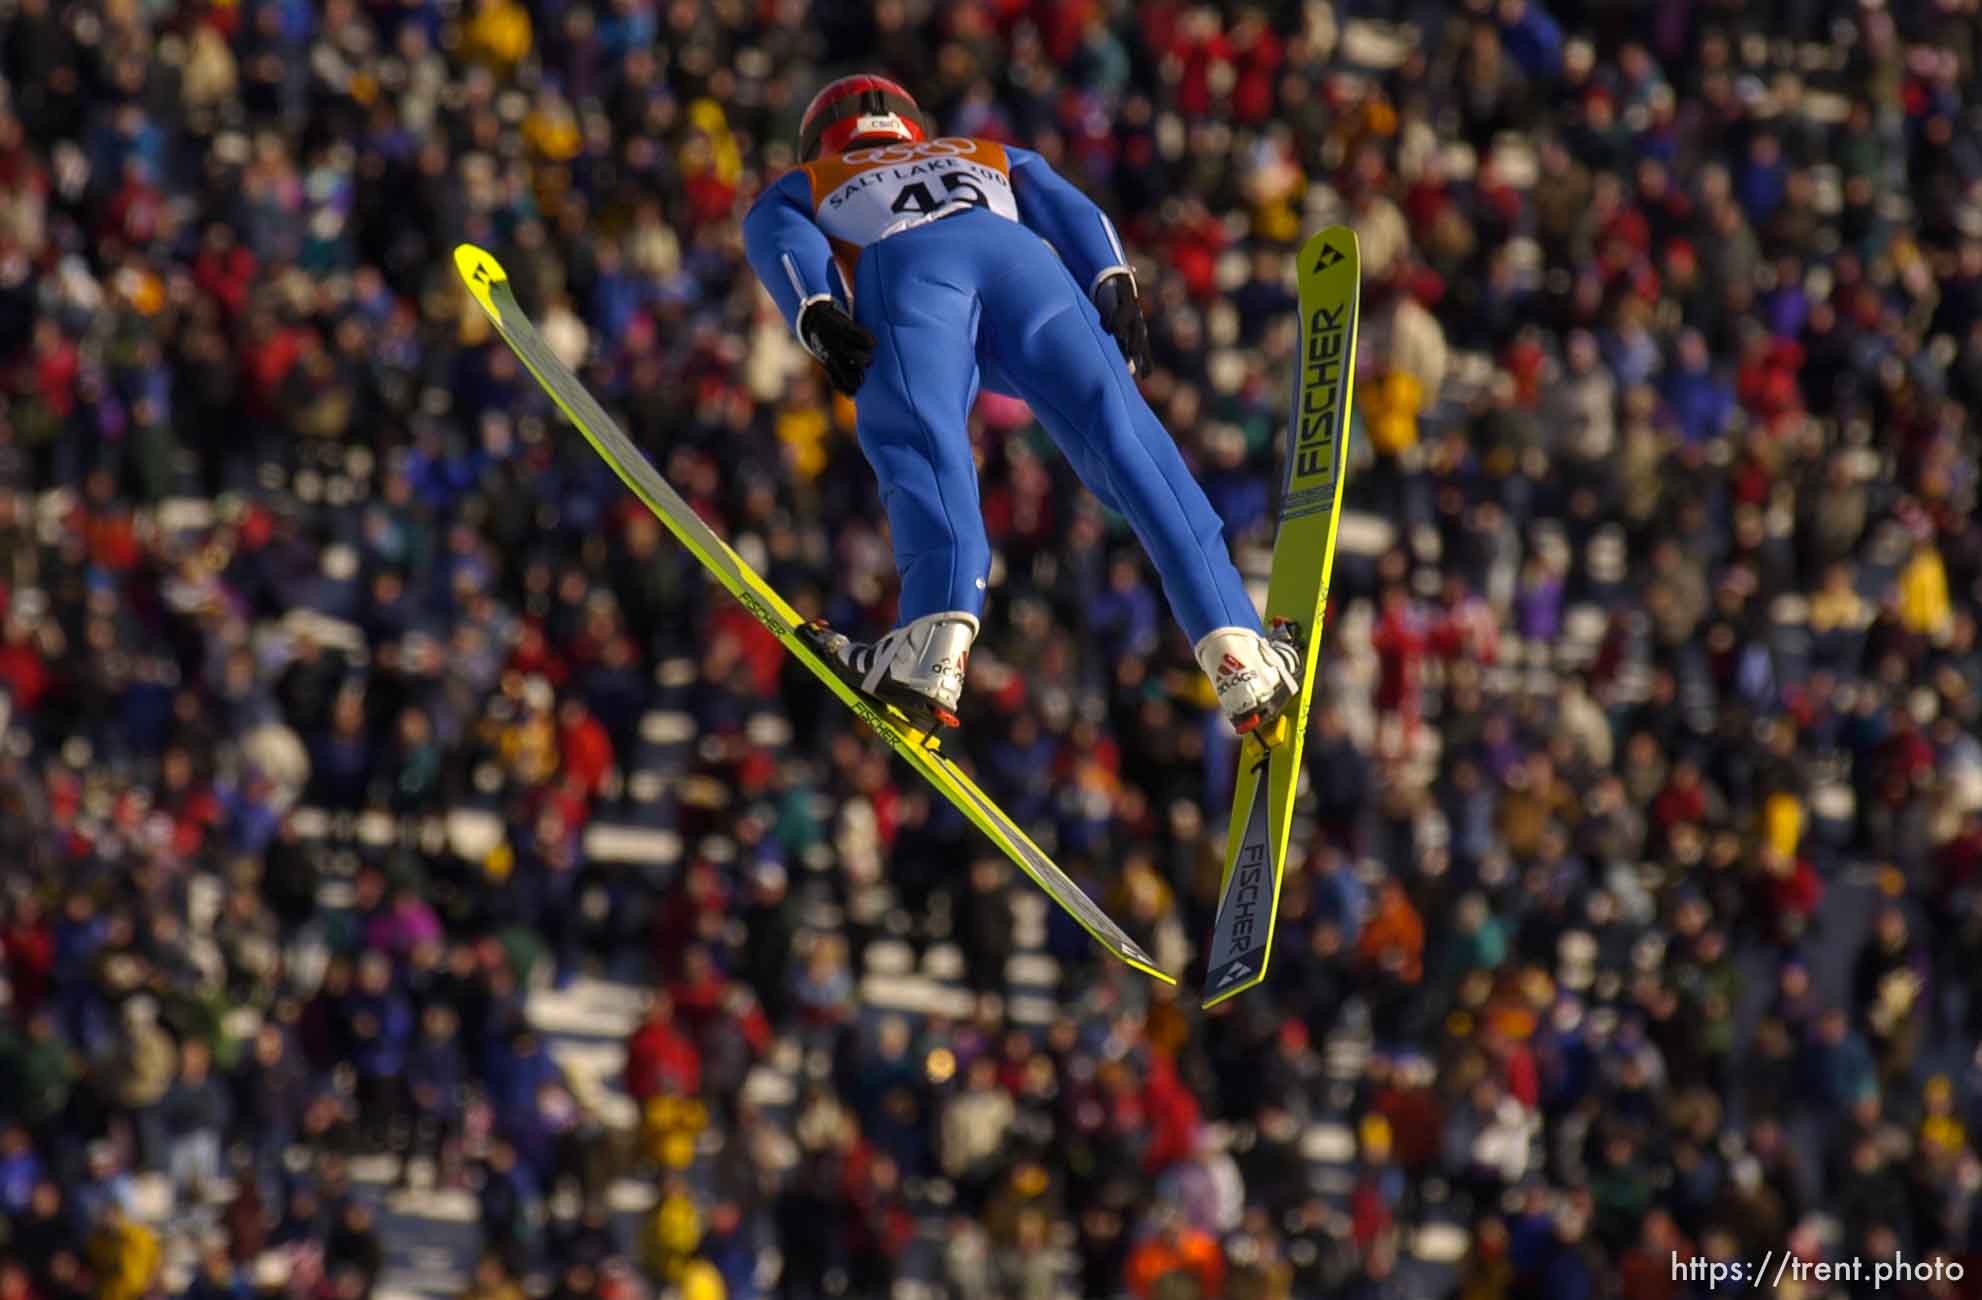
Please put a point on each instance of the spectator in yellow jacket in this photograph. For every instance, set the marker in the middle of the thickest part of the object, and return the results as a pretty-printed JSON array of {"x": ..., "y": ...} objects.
[
  {"x": 498, "y": 36},
  {"x": 124, "y": 1254},
  {"x": 1923, "y": 593}
]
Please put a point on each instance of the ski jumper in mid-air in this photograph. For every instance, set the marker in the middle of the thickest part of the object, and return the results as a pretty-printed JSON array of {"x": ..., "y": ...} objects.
[{"x": 917, "y": 271}]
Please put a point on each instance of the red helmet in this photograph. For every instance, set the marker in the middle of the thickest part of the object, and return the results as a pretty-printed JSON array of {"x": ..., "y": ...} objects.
[{"x": 858, "y": 108}]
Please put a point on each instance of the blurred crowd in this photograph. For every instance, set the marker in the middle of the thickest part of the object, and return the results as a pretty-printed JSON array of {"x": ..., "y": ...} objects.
[{"x": 1640, "y": 878}]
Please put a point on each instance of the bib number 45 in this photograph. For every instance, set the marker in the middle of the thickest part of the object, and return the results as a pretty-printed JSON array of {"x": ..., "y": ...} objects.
[{"x": 917, "y": 199}]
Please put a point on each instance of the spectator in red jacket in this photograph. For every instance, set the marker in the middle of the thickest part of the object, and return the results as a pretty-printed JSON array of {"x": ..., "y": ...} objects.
[
  {"x": 1173, "y": 1117},
  {"x": 584, "y": 746},
  {"x": 661, "y": 1060}
]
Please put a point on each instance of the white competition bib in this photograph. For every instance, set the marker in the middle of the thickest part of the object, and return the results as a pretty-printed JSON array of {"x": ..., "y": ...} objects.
[{"x": 865, "y": 196}]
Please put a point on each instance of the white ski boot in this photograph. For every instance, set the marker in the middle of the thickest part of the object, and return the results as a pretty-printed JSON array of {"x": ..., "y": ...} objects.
[
  {"x": 918, "y": 668},
  {"x": 1256, "y": 676}
]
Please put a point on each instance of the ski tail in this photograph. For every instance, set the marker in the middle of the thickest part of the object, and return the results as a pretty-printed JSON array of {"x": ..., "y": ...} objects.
[{"x": 1330, "y": 266}]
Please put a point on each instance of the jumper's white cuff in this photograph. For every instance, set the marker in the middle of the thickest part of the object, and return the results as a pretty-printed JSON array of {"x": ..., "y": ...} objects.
[
  {"x": 1109, "y": 273},
  {"x": 798, "y": 320}
]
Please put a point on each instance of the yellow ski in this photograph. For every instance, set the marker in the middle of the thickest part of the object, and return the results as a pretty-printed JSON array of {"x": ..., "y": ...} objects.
[
  {"x": 489, "y": 284},
  {"x": 1303, "y": 557}
]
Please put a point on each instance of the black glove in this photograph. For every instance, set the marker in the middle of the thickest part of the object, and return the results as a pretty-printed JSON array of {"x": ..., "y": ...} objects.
[
  {"x": 1121, "y": 311},
  {"x": 841, "y": 343}
]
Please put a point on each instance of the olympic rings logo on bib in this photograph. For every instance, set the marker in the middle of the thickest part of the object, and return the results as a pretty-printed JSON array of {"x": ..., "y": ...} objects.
[{"x": 901, "y": 153}]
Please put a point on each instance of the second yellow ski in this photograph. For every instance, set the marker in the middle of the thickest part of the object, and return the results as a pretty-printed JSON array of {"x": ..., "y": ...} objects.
[{"x": 1317, "y": 447}]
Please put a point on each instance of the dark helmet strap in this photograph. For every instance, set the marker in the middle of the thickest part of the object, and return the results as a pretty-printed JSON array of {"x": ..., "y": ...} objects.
[{"x": 864, "y": 104}]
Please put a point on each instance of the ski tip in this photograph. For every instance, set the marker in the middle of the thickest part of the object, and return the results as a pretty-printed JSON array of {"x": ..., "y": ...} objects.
[
  {"x": 1339, "y": 235},
  {"x": 480, "y": 272},
  {"x": 1330, "y": 249}
]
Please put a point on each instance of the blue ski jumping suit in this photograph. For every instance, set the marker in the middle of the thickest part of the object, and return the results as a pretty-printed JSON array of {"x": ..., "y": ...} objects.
[{"x": 974, "y": 264}]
